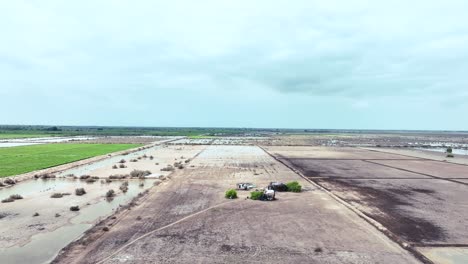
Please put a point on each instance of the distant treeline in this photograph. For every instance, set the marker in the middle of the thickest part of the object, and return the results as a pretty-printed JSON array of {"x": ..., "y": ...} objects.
[{"x": 189, "y": 131}]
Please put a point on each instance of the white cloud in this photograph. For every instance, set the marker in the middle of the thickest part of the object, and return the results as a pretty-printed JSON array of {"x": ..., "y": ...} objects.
[{"x": 184, "y": 52}]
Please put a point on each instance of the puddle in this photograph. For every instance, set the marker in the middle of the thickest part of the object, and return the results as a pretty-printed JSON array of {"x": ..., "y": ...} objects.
[
  {"x": 43, "y": 247},
  {"x": 446, "y": 255}
]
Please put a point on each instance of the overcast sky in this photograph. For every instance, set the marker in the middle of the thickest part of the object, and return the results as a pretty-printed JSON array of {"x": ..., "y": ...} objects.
[{"x": 288, "y": 64}]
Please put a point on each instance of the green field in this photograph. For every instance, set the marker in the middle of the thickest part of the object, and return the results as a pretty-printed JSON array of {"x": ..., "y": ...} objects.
[{"x": 18, "y": 160}]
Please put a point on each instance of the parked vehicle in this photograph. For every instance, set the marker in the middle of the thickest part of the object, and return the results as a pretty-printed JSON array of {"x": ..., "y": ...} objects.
[
  {"x": 278, "y": 186},
  {"x": 245, "y": 186}
]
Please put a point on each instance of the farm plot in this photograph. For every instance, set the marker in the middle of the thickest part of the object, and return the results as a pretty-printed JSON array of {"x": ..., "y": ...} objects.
[
  {"x": 188, "y": 220},
  {"x": 422, "y": 201},
  {"x": 17, "y": 160}
]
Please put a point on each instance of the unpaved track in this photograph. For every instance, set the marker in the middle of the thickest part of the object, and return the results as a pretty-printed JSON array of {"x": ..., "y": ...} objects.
[{"x": 187, "y": 220}]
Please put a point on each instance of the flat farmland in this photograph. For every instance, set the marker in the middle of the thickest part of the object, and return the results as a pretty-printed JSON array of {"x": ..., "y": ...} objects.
[
  {"x": 18, "y": 160},
  {"x": 420, "y": 200},
  {"x": 187, "y": 220}
]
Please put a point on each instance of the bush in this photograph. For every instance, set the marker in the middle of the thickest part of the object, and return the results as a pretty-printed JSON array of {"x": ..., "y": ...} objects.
[
  {"x": 256, "y": 195},
  {"x": 124, "y": 187},
  {"x": 16, "y": 197},
  {"x": 115, "y": 166},
  {"x": 9, "y": 181},
  {"x": 74, "y": 208},
  {"x": 450, "y": 155},
  {"x": 449, "y": 150},
  {"x": 56, "y": 195},
  {"x": 8, "y": 200},
  {"x": 294, "y": 186},
  {"x": 139, "y": 173},
  {"x": 110, "y": 193},
  {"x": 80, "y": 191},
  {"x": 168, "y": 168},
  {"x": 118, "y": 176},
  {"x": 90, "y": 180},
  {"x": 231, "y": 194},
  {"x": 122, "y": 166},
  {"x": 122, "y": 161},
  {"x": 84, "y": 177}
]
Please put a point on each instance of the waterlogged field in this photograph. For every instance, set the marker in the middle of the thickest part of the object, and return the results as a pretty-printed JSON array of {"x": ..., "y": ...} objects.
[
  {"x": 15, "y": 136},
  {"x": 18, "y": 160}
]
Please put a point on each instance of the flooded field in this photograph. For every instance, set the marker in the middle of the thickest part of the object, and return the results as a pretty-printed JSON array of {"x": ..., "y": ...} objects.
[
  {"x": 6, "y": 143},
  {"x": 38, "y": 218},
  {"x": 26, "y": 244}
]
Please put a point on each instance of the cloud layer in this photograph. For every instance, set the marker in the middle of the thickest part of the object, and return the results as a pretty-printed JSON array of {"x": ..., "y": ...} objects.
[{"x": 308, "y": 64}]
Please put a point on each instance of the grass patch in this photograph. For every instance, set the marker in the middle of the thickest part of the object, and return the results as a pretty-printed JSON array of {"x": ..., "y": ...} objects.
[
  {"x": 231, "y": 194},
  {"x": 18, "y": 160},
  {"x": 256, "y": 195},
  {"x": 294, "y": 186}
]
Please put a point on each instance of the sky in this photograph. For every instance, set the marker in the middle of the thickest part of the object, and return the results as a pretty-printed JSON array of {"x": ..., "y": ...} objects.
[{"x": 264, "y": 64}]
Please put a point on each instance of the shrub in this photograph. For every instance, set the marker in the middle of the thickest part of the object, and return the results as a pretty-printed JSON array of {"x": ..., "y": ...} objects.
[
  {"x": 110, "y": 193},
  {"x": 294, "y": 186},
  {"x": 151, "y": 157},
  {"x": 139, "y": 173},
  {"x": 56, "y": 195},
  {"x": 122, "y": 161},
  {"x": 256, "y": 195},
  {"x": 122, "y": 166},
  {"x": 16, "y": 197},
  {"x": 8, "y": 200},
  {"x": 168, "y": 168},
  {"x": 74, "y": 208},
  {"x": 450, "y": 155},
  {"x": 35, "y": 214},
  {"x": 231, "y": 194},
  {"x": 124, "y": 187},
  {"x": 115, "y": 166},
  {"x": 449, "y": 150},
  {"x": 9, "y": 181},
  {"x": 105, "y": 229},
  {"x": 84, "y": 177},
  {"x": 90, "y": 180},
  {"x": 119, "y": 176},
  {"x": 133, "y": 160},
  {"x": 80, "y": 191}
]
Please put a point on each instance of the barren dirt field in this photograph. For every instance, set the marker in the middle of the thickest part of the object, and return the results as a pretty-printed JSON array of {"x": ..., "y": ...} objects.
[
  {"x": 188, "y": 220},
  {"x": 420, "y": 200}
]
